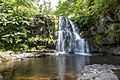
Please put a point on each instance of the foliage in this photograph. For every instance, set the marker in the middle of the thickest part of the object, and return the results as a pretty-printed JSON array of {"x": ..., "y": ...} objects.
[
  {"x": 83, "y": 11},
  {"x": 14, "y": 20},
  {"x": 98, "y": 38},
  {"x": 43, "y": 28},
  {"x": 87, "y": 13},
  {"x": 44, "y": 7}
]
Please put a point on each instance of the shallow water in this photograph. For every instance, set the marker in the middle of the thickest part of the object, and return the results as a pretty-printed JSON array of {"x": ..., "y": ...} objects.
[{"x": 62, "y": 67}]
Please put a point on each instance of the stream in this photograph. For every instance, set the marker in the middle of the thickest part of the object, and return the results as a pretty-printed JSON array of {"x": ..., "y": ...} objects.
[{"x": 61, "y": 67}]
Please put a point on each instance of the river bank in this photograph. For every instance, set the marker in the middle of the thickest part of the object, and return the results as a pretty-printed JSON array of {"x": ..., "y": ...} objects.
[{"x": 10, "y": 55}]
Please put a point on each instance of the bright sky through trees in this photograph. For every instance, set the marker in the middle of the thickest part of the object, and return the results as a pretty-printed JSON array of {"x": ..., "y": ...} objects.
[{"x": 54, "y": 3}]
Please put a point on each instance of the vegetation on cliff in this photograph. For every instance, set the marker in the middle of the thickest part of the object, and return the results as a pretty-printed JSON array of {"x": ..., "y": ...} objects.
[
  {"x": 14, "y": 20},
  {"x": 26, "y": 25},
  {"x": 86, "y": 11},
  {"x": 97, "y": 19},
  {"x": 16, "y": 24}
]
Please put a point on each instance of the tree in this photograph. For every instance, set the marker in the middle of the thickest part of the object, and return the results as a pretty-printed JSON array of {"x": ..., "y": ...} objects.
[
  {"x": 44, "y": 7},
  {"x": 14, "y": 20},
  {"x": 83, "y": 11}
]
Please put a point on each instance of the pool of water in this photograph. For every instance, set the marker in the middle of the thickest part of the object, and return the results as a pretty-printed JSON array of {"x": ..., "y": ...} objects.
[{"x": 62, "y": 67}]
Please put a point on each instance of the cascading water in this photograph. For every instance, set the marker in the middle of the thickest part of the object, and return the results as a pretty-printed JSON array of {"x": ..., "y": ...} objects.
[{"x": 69, "y": 41}]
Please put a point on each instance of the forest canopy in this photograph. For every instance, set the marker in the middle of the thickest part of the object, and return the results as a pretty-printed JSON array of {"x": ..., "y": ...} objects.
[{"x": 84, "y": 10}]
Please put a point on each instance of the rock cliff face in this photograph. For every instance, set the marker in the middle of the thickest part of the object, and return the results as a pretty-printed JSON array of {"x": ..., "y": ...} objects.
[
  {"x": 104, "y": 37},
  {"x": 43, "y": 27}
]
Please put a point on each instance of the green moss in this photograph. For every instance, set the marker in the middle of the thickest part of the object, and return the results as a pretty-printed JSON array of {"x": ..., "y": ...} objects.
[{"x": 98, "y": 38}]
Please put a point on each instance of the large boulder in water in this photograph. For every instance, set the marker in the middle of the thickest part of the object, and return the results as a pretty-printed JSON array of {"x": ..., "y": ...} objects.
[{"x": 98, "y": 72}]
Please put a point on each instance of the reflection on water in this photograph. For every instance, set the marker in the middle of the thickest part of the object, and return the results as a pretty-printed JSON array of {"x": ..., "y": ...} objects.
[
  {"x": 70, "y": 64},
  {"x": 62, "y": 67}
]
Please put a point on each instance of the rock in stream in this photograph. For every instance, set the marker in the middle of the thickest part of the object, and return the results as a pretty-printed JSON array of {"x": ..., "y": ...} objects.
[{"x": 98, "y": 72}]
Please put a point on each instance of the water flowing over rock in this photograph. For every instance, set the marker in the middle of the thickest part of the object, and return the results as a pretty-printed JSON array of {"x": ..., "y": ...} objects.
[
  {"x": 98, "y": 72},
  {"x": 69, "y": 41}
]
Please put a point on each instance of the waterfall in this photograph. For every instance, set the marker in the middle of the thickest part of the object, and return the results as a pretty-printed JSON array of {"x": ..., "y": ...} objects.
[{"x": 69, "y": 41}]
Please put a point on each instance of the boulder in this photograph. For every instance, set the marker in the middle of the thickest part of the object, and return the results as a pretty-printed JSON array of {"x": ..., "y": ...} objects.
[{"x": 98, "y": 72}]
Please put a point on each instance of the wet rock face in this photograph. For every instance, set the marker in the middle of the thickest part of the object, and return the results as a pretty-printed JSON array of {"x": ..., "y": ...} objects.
[
  {"x": 98, "y": 72},
  {"x": 106, "y": 34},
  {"x": 115, "y": 51},
  {"x": 41, "y": 24},
  {"x": 42, "y": 27}
]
